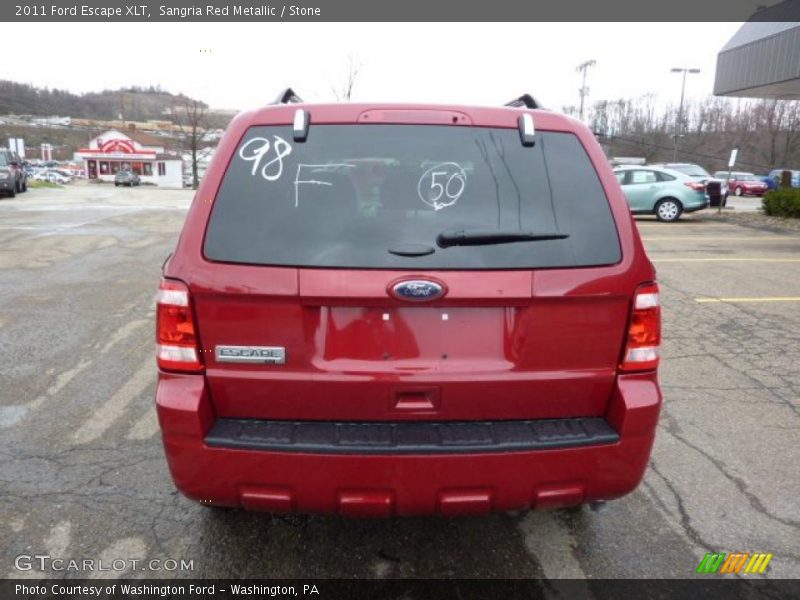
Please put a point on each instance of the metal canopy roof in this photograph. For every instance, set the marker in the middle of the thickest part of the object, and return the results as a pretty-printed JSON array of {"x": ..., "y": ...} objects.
[{"x": 762, "y": 60}]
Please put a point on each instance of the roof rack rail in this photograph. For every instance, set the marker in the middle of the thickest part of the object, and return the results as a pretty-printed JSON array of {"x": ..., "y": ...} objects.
[
  {"x": 288, "y": 96},
  {"x": 525, "y": 100}
]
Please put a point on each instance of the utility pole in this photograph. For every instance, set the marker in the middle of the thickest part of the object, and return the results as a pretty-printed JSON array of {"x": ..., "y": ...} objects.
[
  {"x": 584, "y": 91},
  {"x": 121, "y": 114},
  {"x": 679, "y": 119}
]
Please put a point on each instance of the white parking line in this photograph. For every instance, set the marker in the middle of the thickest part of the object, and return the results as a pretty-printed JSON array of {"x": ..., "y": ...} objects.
[
  {"x": 745, "y": 299},
  {"x": 551, "y": 543},
  {"x": 721, "y": 238},
  {"x": 127, "y": 549},
  {"x": 146, "y": 427},
  {"x": 97, "y": 423},
  {"x": 58, "y": 539},
  {"x": 719, "y": 259}
]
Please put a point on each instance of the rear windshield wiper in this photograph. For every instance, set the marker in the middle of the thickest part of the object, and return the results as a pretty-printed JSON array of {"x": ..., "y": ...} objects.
[{"x": 477, "y": 237}]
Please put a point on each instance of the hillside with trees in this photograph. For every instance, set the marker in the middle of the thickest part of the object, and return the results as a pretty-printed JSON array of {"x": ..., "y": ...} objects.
[
  {"x": 766, "y": 131},
  {"x": 133, "y": 103}
]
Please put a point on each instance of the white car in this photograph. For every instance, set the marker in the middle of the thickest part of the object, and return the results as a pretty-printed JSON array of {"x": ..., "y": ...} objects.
[{"x": 52, "y": 177}]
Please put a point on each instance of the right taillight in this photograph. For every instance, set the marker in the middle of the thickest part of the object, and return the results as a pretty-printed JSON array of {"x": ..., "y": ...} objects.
[
  {"x": 176, "y": 338},
  {"x": 695, "y": 185},
  {"x": 643, "y": 344}
]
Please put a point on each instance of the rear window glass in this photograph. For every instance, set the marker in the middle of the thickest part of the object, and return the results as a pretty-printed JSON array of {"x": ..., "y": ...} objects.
[
  {"x": 358, "y": 195},
  {"x": 690, "y": 170}
]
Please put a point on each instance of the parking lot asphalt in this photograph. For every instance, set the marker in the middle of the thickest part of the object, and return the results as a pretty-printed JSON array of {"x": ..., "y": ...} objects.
[{"x": 82, "y": 473}]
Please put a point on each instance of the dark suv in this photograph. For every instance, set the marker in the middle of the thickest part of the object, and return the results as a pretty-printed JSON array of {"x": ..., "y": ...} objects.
[
  {"x": 13, "y": 177},
  {"x": 407, "y": 309}
]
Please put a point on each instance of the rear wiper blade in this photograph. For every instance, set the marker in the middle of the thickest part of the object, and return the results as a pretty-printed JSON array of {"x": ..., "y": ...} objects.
[{"x": 477, "y": 237}]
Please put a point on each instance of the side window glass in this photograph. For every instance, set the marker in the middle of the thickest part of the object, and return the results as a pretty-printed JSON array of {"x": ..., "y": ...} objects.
[{"x": 642, "y": 177}]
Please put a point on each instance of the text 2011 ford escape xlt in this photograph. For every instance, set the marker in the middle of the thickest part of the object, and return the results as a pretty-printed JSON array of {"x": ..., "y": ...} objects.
[{"x": 407, "y": 309}]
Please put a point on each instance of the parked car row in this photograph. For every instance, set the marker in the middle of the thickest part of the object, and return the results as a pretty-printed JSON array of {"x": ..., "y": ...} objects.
[
  {"x": 52, "y": 176},
  {"x": 668, "y": 190}
]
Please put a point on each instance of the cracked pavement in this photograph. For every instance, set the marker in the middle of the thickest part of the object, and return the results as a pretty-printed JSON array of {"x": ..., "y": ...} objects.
[{"x": 82, "y": 473}]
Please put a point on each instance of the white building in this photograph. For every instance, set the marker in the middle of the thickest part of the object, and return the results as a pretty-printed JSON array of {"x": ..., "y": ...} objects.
[{"x": 141, "y": 153}]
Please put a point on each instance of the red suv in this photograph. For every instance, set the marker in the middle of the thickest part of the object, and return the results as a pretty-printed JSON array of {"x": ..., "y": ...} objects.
[{"x": 407, "y": 309}]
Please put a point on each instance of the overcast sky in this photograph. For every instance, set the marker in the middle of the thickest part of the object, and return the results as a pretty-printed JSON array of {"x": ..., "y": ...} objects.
[{"x": 243, "y": 65}]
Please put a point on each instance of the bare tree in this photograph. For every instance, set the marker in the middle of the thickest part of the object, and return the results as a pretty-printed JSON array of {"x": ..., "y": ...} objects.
[
  {"x": 345, "y": 92},
  {"x": 791, "y": 147},
  {"x": 191, "y": 116}
]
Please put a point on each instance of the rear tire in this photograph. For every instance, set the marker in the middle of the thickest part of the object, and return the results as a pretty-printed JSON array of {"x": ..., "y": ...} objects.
[
  {"x": 668, "y": 210},
  {"x": 738, "y": 191}
]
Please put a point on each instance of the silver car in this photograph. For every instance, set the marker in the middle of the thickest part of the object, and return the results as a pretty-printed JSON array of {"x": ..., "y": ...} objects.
[{"x": 128, "y": 178}]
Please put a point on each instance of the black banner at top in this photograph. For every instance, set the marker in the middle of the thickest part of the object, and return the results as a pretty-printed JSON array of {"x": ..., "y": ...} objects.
[{"x": 399, "y": 10}]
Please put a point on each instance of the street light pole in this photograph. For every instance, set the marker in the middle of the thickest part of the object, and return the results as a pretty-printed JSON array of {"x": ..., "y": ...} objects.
[
  {"x": 679, "y": 120},
  {"x": 584, "y": 91}
]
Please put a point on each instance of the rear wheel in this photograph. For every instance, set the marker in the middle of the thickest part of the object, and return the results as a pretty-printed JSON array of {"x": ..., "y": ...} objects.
[
  {"x": 668, "y": 210},
  {"x": 738, "y": 191}
]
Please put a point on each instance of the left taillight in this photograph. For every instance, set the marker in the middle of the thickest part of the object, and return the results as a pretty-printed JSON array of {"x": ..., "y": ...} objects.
[
  {"x": 695, "y": 185},
  {"x": 643, "y": 344},
  {"x": 176, "y": 337}
]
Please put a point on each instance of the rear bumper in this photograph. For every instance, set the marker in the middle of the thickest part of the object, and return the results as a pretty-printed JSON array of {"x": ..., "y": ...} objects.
[
  {"x": 695, "y": 205},
  {"x": 385, "y": 484}
]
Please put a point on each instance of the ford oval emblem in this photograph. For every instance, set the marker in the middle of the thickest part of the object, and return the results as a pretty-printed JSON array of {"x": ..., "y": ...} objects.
[{"x": 418, "y": 290}]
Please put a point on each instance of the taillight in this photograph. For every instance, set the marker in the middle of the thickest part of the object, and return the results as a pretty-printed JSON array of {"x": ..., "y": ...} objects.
[
  {"x": 643, "y": 344},
  {"x": 176, "y": 338},
  {"x": 695, "y": 185}
]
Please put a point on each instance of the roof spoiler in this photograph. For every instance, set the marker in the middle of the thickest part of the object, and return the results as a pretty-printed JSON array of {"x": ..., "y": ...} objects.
[
  {"x": 526, "y": 100},
  {"x": 288, "y": 96}
]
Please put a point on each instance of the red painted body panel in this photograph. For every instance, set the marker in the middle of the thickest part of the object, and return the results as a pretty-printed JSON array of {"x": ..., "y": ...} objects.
[
  {"x": 404, "y": 485},
  {"x": 514, "y": 344}
]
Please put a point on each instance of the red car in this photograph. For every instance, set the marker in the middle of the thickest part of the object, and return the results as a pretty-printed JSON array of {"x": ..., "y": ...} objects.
[
  {"x": 741, "y": 184},
  {"x": 380, "y": 310}
]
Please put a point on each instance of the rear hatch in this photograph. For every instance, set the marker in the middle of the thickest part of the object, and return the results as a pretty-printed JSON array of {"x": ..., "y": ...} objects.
[{"x": 389, "y": 272}]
